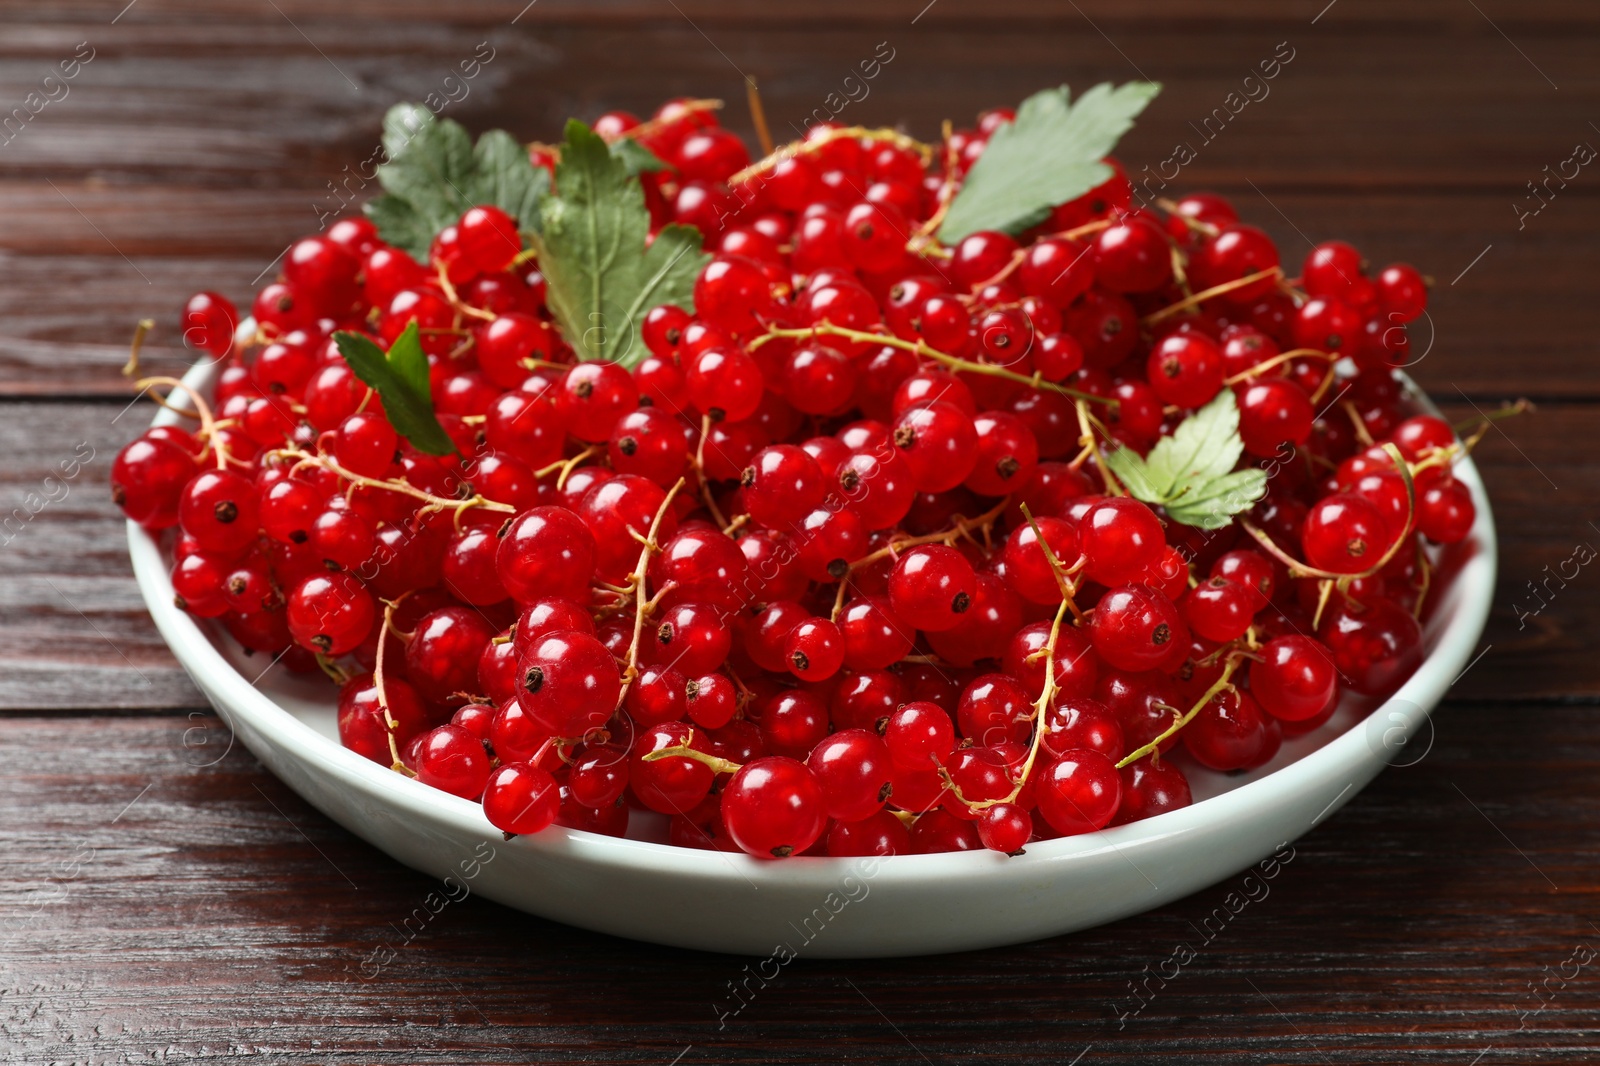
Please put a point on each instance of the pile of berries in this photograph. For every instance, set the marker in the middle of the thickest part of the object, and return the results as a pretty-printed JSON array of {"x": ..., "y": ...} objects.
[{"x": 838, "y": 566}]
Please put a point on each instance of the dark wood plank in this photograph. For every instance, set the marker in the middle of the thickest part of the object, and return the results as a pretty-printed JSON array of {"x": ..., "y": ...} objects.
[
  {"x": 153, "y": 901},
  {"x": 74, "y": 633},
  {"x": 190, "y": 151}
]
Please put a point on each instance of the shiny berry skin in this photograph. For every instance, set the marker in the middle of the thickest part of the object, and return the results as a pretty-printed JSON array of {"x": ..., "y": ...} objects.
[
  {"x": 782, "y": 485},
  {"x": 1294, "y": 678},
  {"x": 209, "y": 321},
  {"x": 732, "y": 293},
  {"x": 366, "y": 444},
  {"x": 1445, "y": 511},
  {"x": 1272, "y": 413},
  {"x": 671, "y": 785},
  {"x": 875, "y": 637},
  {"x": 363, "y": 723},
  {"x": 1079, "y": 792},
  {"x": 1132, "y": 256},
  {"x": 592, "y": 396},
  {"x": 1006, "y": 454},
  {"x": 774, "y": 807},
  {"x": 1402, "y": 293},
  {"x": 148, "y": 480},
  {"x": 503, "y": 344},
  {"x": 919, "y": 735},
  {"x": 1057, "y": 269},
  {"x": 569, "y": 683},
  {"x": 940, "y": 831},
  {"x": 852, "y": 767},
  {"x": 659, "y": 694},
  {"x": 793, "y": 721},
  {"x": 995, "y": 709},
  {"x": 1185, "y": 369},
  {"x": 817, "y": 379},
  {"x": 1345, "y": 534},
  {"x": 939, "y": 443},
  {"x": 1005, "y": 828},
  {"x": 546, "y": 553},
  {"x": 1420, "y": 436},
  {"x": 1134, "y": 628},
  {"x": 881, "y": 834},
  {"x": 1075, "y": 665},
  {"x": 814, "y": 650},
  {"x": 725, "y": 383},
  {"x": 1331, "y": 269},
  {"x": 694, "y": 638},
  {"x": 878, "y": 486},
  {"x": 219, "y": 510},
  {"x": 323, "y": 274},
  {"x": 1083, "y": 723},
  {"x": 1027, "y": 569},
  {"x": 933, "y": 386},
  {"x": 521, "y": 799},
  {"x": 468, "y": 567},
  {"x": 330, "y": 613},
  {"x": 1250, "y": 569},
  {"x": 1231, "y": 732},
  {"x": 1328, "y": 325},
  {"x": 1236, "y": 252},
  {"x": 711, "y": 700},
  {"x": 1149, "y": 789},
  {"x": 981, "y": 256},
  {"x": 1375, "y": 646},
  {"x": 931, "y": 587},
  {"x": 452, "y": 760},
  {"x": 1219, "y": 610},
  {"x": 705, "y": 564},
  {"x": 442, "y": 655},
  {"x": 613, "y": 510},
  {"x": 486, "y": 239},
  {"x": 875, "y": 236},
  {"x": 650, "y": 443},
  {"x": 1121, "y": 538}
]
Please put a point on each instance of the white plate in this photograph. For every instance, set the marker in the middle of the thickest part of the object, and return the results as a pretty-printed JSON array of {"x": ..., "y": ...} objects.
[{"x": 902, "y": 905}]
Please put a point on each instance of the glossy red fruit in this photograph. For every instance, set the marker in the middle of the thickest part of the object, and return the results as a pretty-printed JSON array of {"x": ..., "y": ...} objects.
[
  {"x": 774, "y": 807},
  {"x": 1079, "y": 792}
]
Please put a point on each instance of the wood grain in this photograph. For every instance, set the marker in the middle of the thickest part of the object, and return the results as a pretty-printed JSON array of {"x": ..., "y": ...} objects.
[
  {"x": 162, "y": 898},
  {"x": 158, "y": 897}
]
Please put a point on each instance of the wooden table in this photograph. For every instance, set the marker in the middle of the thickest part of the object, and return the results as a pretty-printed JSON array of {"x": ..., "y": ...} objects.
[{"x": 163, "y": 899}]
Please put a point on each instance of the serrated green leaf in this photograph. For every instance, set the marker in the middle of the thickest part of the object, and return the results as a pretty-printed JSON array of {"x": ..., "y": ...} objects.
[
  {"x": 401, "y": 378},
  {"x": 1130, "y": 469},
  {"x": 640, "y": 160},
  {"x": 601, "y": 277},
  {"x": 1049, "y": 155},
  {"x": 1212, "y": 504},
  {"x": 1190, "y": 473},
  {"x": 1205, "y": 445},
  {"x": 434, "y": 173}
]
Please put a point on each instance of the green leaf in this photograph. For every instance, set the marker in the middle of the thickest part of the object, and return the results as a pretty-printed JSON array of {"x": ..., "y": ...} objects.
[
  {"x": 401, "y": 378},
  {"x": 1190, "y": 473},
  {"x": 640, "y": 160},
  {"x": 434, "y": 173},
  {"x": 1051, "y": 154},
  {"x": 1212, "y": 504},
  {"x": 601, "y": 277},
  {"x": 1205, "y": 445}
]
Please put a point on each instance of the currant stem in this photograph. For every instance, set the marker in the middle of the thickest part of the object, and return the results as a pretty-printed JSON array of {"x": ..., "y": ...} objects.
[
  {"x": 1222, "y": 682},
  {"x": 684, "y": 751},
  {"x": 400, "y": 485},
  {"x": 567, "y": 466},
  {"x": 1155, "y": 317},
  {"x": 949, "y": 536},
  {"x": 643, "y": 604},
  {"x": 202, "y": 411},
  {"x": 140, "y": 330},
  {"x": 377, "y": 683},
  {"x": 921, "y": 348},
  {"x": 805, "y": 147},
  {"x": 1278, "y": 360}
]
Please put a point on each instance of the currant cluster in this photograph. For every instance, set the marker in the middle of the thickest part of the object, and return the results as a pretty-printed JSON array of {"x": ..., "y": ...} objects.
[{"x": 837, "y": 565}]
